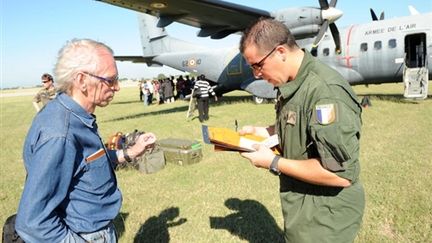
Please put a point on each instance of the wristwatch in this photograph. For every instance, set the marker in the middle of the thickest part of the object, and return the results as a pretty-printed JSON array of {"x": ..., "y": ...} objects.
[
  {"x": 126, "y": 156},
  {"x": 274, "y": 166}
]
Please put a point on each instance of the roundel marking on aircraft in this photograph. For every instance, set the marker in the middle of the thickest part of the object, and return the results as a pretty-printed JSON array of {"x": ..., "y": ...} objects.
[{"x": 192, "y": 63}]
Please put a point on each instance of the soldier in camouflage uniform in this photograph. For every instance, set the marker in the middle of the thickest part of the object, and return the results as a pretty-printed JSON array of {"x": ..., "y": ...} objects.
[
  {"x": 46, "y": 94},
  {"x": 318, "y": 122}
]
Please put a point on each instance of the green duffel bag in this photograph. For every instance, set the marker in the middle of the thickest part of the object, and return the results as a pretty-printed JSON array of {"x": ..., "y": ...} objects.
[{"x": 151, "y": 161}]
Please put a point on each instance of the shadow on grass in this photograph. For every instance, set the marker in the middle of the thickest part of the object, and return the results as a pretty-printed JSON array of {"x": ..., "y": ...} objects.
[
  {"x": 222, "y": 101},
  {"x": 126, "y": 102},
  {"x": 119, "y": 223},
  {"x": 396, "y": 98},
  {"x": 153, "y": 113},
  {"x": 251, "y": 222},
  {"x": 155, "y": 229}
]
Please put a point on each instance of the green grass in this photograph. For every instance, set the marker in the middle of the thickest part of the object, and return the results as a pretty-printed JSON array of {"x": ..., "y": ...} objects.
[{"x": 225, "y": 199}]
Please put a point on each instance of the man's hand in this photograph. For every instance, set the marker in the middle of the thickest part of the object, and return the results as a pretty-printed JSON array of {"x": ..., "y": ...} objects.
[
  {"x": 144, "y": 141},
  {"x": 247, "y": 130},
  {"x": 261, "y": 158}
]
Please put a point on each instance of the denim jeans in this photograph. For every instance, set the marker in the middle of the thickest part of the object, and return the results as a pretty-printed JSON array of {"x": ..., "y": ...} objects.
[{"x": 104, "y": 235}]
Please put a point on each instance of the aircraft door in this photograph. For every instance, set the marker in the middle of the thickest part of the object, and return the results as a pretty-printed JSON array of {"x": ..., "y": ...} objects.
[{"x": 416, "y": 73}]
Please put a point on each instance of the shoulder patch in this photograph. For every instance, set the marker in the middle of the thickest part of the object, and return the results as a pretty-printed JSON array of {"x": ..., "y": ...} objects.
[
  {"x": 325, "y": 113},
  {"x": 292, "y": 117}
]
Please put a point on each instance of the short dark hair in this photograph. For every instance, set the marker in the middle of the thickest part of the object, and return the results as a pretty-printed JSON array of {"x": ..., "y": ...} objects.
[
  {"x": 266, "y": 33},
  {"x": 47, "y": 76}
]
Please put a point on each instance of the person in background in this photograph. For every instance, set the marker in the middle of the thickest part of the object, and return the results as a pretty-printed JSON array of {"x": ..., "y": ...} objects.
[
  {"x": 203, "y": 90},
  {"x": 168, "y": 90},
  {"x": 141, "y": 94},
  {"x": 71, "y": 192},
  {"x": 156, "y": 88},
  {"x": 180, "y": 87},
  {"x": 150, "y": 91},
  {"x": 47, "y": 93},
  {"x": 318, "y": 122},
  {"x": 145, "y": 90},
  {"x": 161, "y": 91}
]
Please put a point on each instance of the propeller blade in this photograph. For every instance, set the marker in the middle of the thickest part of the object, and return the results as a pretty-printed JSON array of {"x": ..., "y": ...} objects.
[
  {"x": 333, "y": 3},
  {"x": 336, "y": 37},
  {"x": 329, "y": 14},
  {"x": 323, "y": 4},
  {"x": 321, "y": 33},
  {"x": 374, "y": 17}
]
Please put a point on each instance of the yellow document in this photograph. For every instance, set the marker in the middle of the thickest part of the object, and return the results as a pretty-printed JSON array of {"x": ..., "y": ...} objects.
[{"x": 226, "y": 139}]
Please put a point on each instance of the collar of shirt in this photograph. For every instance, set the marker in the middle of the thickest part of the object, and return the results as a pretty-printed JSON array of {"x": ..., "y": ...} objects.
[
  {"x": 77, "y": 110},
  {"x": 289, "y": 88}
]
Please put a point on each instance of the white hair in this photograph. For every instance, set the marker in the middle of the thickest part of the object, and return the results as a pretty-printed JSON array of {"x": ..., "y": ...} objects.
[{"x": 77, "y": 55}]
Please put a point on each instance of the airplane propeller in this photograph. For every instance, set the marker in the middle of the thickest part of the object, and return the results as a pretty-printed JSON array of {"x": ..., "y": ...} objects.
[
  {"x": 330, "y": 14},
  {"x": 374, "y": 17}
]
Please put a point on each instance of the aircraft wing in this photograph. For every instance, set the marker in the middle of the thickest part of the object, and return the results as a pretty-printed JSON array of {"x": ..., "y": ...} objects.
[
  {"x": 215, "y": 18},
  {"x": 135, "y": 59},
  {"x": 139, "y": 59}
]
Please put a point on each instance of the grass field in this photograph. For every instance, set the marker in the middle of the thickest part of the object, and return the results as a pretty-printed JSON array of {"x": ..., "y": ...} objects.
[{"x": 225, "y": 199}]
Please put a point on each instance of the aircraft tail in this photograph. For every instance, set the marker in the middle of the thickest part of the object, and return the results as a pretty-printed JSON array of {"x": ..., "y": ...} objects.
[
  {"x": 413, "y": 10},
  {"x": 156, "y": 41}
]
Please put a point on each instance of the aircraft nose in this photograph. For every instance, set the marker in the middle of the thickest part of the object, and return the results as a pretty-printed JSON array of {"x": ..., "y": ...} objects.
[{"x": 331, "y": 14}]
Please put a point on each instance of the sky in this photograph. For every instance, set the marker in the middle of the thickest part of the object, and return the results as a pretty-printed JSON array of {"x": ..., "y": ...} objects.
[{"x": 32, "y": 32}]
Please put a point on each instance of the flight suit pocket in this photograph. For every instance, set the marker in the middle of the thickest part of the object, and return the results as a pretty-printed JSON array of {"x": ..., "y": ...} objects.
[{"x": 292, "y": 132}]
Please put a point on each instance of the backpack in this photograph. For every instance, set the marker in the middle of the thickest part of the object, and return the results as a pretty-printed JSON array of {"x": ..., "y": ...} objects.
[{"x": 151, "y": 161}]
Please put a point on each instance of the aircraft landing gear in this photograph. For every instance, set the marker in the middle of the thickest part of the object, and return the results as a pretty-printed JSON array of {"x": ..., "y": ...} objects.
[
  {"x": 365, "y": 102},
  {"x": 258, "y": 100}
]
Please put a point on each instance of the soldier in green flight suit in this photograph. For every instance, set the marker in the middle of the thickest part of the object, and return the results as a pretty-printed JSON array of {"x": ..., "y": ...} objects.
[
  {"x": 47, "y": 93},
  {"x": 318, "y": 122}
]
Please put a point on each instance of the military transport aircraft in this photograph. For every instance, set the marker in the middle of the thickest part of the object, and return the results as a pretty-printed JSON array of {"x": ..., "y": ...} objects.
[{"x": 393, "y": 50}]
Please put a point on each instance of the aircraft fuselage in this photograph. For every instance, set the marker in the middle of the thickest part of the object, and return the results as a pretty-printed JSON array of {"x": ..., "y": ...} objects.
[{"x": 376, "y": 52}]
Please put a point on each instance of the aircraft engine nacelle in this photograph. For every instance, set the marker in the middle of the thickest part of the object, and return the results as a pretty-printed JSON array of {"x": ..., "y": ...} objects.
[{"x": 303, "y": 22}]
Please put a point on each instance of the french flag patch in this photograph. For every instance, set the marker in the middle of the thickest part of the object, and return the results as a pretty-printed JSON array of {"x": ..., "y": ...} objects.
[{"x": 325, "y": 114}]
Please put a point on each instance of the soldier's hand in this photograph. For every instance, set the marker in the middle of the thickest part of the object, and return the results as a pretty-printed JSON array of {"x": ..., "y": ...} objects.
[
  {"x": 262, "y": 157},
  {"x": 247, "y": 130}
]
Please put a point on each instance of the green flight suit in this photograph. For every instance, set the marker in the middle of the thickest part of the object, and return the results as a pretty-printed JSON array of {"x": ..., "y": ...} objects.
[
  {"x": 319, "y": 116},
  {"x": 44, "y": 96}
]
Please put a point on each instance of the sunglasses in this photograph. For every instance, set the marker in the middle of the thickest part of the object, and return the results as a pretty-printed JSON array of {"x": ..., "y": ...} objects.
[
  {"x": 259, "y": 65},
  {"x": 46, "y": 81},
  {"x": 109, "y": 82}
]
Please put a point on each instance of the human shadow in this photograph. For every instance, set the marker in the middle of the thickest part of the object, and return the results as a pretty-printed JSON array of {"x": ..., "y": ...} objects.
[
  {"x": 251, "y": 221},
  {"x": 155, "y": 229},
  {"x": 119, "y": 223}
]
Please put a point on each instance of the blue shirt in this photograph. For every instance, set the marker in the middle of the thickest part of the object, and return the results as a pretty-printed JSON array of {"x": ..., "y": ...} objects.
[{"x": 63, "y": 192}]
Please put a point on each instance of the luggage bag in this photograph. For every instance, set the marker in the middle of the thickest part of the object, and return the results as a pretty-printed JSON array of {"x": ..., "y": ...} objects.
[{"x": 181, "y": 151}]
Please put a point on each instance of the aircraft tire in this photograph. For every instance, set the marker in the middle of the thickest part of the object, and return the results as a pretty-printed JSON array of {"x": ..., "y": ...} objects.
[{"x": 258, "y": 100}]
